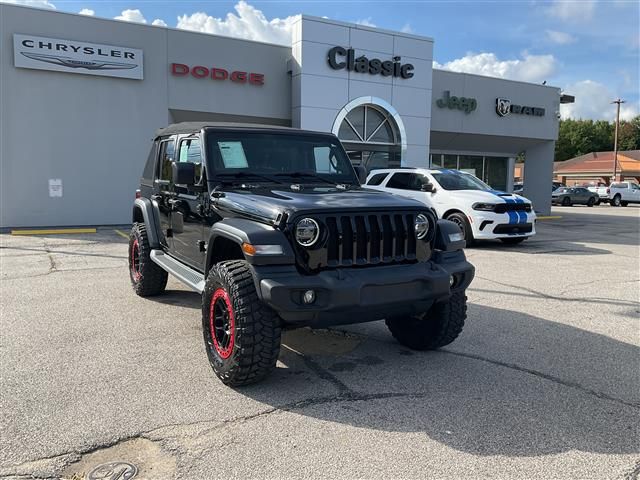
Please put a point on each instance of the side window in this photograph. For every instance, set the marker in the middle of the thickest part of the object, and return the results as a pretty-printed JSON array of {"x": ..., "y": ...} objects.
[
  {"x": 323, "y": 160},
  {"x": 167, "y": 151},
  {"x": 377, "y": 179},
  {"x": 189, "y": 151},
  {"x": 417, "y": 181},
  {"x": 635, "y": 187},
  {"x": 149, "y": 167},
  {"x": 400, "y": 181}
]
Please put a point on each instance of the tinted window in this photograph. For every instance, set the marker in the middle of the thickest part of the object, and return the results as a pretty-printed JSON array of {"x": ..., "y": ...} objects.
[
  {"x": 400, "y": 180},
  {"x": 635, "y": 187},
  {"x": 167, "y": 151},
  {"x": 452, "y": 180},
  {"x": 377, "y": 179},
  {"x": 189, "y": 151},
  {"x": 619, "y": 185}
]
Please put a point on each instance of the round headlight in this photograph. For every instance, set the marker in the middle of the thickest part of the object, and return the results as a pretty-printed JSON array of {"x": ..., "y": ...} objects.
[
  {"x": 307, "y": 232},
  {"x": 421, "y": 226}
]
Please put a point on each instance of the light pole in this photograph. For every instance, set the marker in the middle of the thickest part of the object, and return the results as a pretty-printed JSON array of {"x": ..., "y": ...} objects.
[{"x": 615, "y": 139}]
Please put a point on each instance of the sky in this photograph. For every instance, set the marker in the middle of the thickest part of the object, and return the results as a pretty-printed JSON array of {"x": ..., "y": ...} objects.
[{"x": 588, "y": 48}]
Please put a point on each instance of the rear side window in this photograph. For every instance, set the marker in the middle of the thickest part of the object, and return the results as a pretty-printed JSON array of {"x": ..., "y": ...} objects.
[
  {"x": 167, "y": 152},
  {"x": 618, "y": 185},
  {"x": 399, "y": 180},
  {"x": 147, "y": 174},
  {"x": 377, "y": 179}
]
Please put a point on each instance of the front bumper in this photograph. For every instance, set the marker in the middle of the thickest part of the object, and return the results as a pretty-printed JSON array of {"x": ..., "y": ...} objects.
[
  {"x": 490, "y": 225},
  {"x": 353, "y": 295}
]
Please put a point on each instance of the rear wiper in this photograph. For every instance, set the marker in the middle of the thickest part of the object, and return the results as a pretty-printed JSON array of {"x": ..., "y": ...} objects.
[
  {"x": 304, "y": 174},
  {"x": 245, "y": 175}
]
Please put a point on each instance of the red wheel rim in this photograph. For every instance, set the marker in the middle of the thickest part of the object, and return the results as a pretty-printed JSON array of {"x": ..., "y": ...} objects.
[
  {"x": 135, "y": 260},
  {"x": 222, "y": 323}
]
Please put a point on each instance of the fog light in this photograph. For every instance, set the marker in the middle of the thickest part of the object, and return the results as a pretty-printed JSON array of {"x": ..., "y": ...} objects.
[{"x": 309, "y": 297}]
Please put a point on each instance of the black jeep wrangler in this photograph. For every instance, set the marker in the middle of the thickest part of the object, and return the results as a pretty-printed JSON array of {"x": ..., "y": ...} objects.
[{"x": 272, "y": 226}]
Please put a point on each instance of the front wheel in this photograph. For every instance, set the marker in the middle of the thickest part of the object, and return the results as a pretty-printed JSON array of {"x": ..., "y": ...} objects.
[
  {"x": 437, "y": 327},
  {"x": 460, "y": 219},
  {"x": 513, "y": 241},
  {"x": 241, "y": 334},
  {"x": 566, "y": 202}
]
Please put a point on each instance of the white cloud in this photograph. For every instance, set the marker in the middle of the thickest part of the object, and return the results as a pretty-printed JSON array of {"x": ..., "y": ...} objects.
[
  {"x": 560, "y": 38},
  {"x": 593, "y": 101},
  {"x": 158, "y": 22},
  {"x": 249, "y": 23},
  {"x": 131, "y": 16},
  {"x": 530, "y": 68},
  {"x": 31, "y": 3},
  {"x": 366, "y": 22},
  {"x": 572, "y": 10},
  {"x": 407, "y": 28},
  {"x": 87, "y": 11}
]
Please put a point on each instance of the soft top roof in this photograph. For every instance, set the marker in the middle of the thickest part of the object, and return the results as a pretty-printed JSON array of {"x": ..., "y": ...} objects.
[{"x": 193, "y": 127}]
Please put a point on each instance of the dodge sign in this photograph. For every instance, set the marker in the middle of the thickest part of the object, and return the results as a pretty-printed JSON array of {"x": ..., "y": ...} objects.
[{"x": 71, "y": 56}]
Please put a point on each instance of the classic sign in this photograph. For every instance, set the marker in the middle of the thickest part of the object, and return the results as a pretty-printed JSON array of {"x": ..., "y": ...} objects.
[
  {"x": 504, "y": 107},
  {"x": 44, "y": 53},
  {"x": 215, "y": 73},
  {"x": 467, "y": 105},
  {"x": 345, "y": 58}
]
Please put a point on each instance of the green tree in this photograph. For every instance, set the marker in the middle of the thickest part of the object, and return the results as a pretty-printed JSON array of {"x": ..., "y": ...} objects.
[{"x": 629, "y": 135}]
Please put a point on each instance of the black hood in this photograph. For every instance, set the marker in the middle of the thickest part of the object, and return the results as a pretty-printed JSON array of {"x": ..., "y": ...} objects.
[{"x": 269, "y": 203}]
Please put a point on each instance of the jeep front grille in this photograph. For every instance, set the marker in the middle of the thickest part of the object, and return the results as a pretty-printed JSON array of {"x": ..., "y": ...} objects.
[{"x": 366, "y": 239}]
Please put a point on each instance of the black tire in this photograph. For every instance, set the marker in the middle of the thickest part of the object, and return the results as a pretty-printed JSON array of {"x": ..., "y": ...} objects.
[
  {"x": 616, "y": 201},
  {"x": 566, "y": 202},
  {"x": 591, "y": 202},
  {"x": 436, "y": 328},
  {"x": 624, "y": 204},
  {"x": 242, "y": 346},
  {"x": 513, "y": 241},
  {"x": 598, "y": 202},
  {"x": 461, "y": 220},
  {"x": 147, "y": 278}
]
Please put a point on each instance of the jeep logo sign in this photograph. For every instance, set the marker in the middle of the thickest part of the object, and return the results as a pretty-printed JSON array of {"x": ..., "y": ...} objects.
[
  {"x": 341, "y": 58},
  {"x": 43, "y": 53},
  {"x": 467, "y": 105}
]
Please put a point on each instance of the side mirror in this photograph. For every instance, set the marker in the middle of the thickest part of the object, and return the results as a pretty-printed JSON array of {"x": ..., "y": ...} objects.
[
  {"x": 184, "y": 173},
  {"x": 361, "y": 172},
  {"x": 427, "y": 187}
]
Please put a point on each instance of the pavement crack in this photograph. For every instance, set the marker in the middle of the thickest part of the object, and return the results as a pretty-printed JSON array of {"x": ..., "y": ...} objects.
[
  {"x": 546, "y": 376},
  {"x": 321, "y": 372}
]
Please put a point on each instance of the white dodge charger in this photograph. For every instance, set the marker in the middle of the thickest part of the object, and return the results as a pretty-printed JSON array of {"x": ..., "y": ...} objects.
[{"x": 480, "y": 211}]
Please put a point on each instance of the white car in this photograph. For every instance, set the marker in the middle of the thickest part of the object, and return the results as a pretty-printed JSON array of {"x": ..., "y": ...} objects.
[
  {"x": 480, "y": 211},
  {"x": 624, "y": 193}
]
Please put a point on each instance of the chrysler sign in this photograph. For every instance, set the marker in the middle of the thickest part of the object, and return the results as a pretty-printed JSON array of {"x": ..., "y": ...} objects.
[{"x": 44, "y": 53}]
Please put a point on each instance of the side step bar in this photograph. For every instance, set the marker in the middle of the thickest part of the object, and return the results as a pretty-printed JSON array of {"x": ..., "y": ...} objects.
[{"x": 188, "y": 276}]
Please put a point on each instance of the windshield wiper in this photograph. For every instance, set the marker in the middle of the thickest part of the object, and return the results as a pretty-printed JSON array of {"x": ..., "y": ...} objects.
[
  {"x": 245, "y": 175},
  {"x": 305, "y": 174}
]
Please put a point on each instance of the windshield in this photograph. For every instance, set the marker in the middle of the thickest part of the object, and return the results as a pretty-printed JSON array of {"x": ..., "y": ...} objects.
[
  {"x": 276, "y": 156},
  {"x": 459, "y": 181}
]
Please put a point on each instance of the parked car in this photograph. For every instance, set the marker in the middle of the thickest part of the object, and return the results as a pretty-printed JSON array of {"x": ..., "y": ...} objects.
[
  {"x": 271, "y": 226},
  {"x": 602, "y": 191},
  {"x": 518, "y": 188},
  {"x": 479, "y": 211},
  {"x": 624, "y": 193},
  {"x": 568, "y": 196}
]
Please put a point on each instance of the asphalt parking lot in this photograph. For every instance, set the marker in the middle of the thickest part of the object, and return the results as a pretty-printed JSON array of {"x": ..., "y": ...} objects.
[{"x": 543, "y": 383}]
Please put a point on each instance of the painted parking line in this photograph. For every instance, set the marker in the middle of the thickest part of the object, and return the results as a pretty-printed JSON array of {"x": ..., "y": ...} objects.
[
  {"x": 549, "y": 217},
  {"x": 121, "y": 233},
  {"x": 53, "y": 231}
]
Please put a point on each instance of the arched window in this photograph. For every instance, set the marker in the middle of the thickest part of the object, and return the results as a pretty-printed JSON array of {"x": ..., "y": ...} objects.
[{"x": 371, "y": 137}]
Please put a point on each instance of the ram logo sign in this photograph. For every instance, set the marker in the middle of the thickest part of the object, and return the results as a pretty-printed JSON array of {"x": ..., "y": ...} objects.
[{"x": 43, "y": 53}]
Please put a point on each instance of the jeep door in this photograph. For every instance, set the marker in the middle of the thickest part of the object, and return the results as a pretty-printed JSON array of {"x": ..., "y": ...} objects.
[
  {"x": 163, "y": 187},
  {"x": 187, "y": 220}
]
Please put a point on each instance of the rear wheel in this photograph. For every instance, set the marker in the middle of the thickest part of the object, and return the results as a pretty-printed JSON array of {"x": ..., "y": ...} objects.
[
  {"x": 241, "y": 334},
  {"x": 591, "y": 202},
  {"x": 147, "y": 278},
  {"x": 616, "y": 201},
  {"x": 437, "y": 327},
  {"x": 598, "y": 202},
  {"x": 460, "y": 219},
  {"x": 513, "y": 241},
  {"x": 566, "y": 202}
]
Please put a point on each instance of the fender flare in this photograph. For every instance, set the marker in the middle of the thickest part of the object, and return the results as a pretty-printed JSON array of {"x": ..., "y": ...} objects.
[
  {"x": 241, "y": 230},
  {"x": 151, "y": 219}
]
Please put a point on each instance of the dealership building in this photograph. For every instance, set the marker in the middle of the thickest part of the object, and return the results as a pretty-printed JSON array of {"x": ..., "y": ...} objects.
[{"x": 82, "y": 97}]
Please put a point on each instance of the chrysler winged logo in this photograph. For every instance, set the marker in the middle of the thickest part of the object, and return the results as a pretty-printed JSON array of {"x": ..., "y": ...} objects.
[
  {"x": 503, "y": 106},
  {"x": 73, "y": 63}
]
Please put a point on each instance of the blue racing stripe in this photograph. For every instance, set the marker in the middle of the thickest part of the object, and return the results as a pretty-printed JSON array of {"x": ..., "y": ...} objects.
[{"x": 522, "y": 215}]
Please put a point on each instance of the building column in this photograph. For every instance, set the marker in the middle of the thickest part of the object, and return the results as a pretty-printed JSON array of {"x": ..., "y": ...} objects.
[
  {"x": 511, "y": 169},
  {"x": 538, "y": 175}
]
